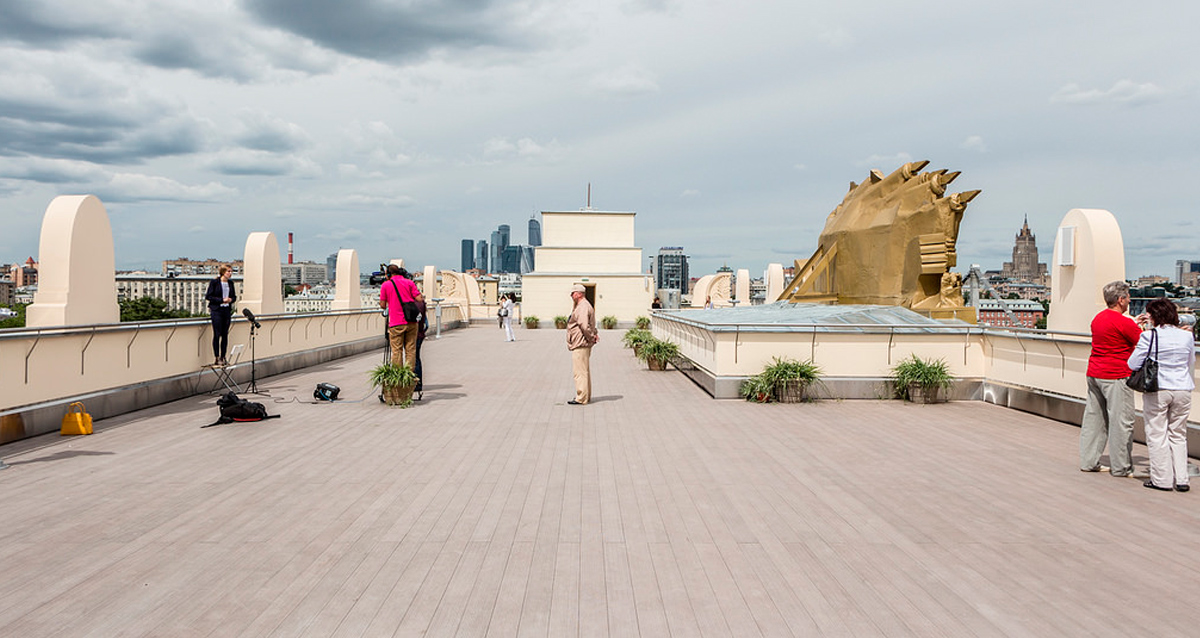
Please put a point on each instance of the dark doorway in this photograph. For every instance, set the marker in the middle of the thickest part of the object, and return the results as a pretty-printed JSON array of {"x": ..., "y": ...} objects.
[{"x": 589, "y": 293}]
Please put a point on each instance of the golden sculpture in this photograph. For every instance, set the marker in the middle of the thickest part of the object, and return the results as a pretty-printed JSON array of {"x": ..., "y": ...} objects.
[{"x": 890, "y": 242}]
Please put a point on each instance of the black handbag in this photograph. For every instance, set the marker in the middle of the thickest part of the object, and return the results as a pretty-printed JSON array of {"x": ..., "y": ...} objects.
[
  {"x": 411, "y": 312},
  {"x": 1145, "y": 378}
]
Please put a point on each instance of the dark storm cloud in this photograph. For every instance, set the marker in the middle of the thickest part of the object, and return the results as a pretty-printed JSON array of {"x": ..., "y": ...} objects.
[
  {"x": 389, "y": 30},
  {"x": 227, "y": 50},
  {"x": 212, "y": 41},
  {"x": 95, "y": 131},
  {"x": 36, "y": 23}
]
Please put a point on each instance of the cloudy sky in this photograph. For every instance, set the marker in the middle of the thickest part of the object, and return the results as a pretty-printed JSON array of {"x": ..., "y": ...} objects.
[{"x": 399, "y": 127}]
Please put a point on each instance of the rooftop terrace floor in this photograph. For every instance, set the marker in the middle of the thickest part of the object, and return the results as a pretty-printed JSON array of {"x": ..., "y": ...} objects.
[{"x": 494, "y": 508}]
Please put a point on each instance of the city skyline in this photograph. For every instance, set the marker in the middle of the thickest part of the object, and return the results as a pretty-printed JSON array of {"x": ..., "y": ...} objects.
[{"x": 389, "y": 128}]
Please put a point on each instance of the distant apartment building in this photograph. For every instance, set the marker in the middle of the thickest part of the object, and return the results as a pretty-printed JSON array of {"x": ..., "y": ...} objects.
[
  {"x": 1187, "y": 271},
  {"x": 671, "y": 270},
  {"x": 1150, "y": 280},
  {"x": 23, "y": 275},
  {"x": 210, "y": 267},
  {"x": 7, "y": 292},
  {"x": 758, "y": 291},
  {"x": 1022, "y": 289},
  {"x": 989, "y": 312},
  {"x": 320, "y": 299},
  {"x": 181, "y": 292},
  {"x": 304, "y": 273}
]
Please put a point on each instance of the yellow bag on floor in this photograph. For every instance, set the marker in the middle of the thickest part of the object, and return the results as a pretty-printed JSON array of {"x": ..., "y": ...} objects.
[{"x": 76, "y": 420}]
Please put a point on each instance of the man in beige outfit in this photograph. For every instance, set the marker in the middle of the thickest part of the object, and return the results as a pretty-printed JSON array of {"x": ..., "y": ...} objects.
[{"x": 581, "y": 336}]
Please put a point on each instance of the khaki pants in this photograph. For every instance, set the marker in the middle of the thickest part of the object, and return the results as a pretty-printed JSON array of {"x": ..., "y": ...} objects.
[
  {"x": 581, "y": 360},
  {"x": 1107, "y": 418},
  {"x": 1166, "y": 413},
  {"x": 403, "y": 339}
]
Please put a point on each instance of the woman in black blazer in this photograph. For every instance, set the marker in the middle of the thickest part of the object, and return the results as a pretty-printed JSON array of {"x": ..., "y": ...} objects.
[{"x": 220, "y": 297}]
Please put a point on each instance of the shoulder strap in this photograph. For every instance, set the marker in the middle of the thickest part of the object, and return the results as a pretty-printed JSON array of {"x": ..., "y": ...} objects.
[{"x": 397, "y": 289}]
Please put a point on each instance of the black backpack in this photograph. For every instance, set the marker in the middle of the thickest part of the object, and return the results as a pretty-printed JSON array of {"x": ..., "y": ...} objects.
[{"x": 236, "y": 409}]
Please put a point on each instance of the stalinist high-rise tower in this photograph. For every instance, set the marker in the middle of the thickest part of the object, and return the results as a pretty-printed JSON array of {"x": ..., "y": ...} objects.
[{"x": 1024, "y": 265}]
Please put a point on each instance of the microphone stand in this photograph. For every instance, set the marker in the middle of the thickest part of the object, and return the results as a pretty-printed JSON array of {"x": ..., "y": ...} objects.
[
  {"x": 255, "y": 326},
  {"x": 253, "y": 387}
]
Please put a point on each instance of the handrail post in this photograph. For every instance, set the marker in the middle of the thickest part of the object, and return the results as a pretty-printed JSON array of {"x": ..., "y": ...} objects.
[{"x": 27, "y": 354}]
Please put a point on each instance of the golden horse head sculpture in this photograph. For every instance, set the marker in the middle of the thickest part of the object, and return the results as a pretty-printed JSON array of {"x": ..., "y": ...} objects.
[{"x": 890, "y": 242}]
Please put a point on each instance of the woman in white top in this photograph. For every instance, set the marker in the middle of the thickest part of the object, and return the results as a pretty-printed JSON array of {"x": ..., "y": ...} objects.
[
  {"x": 507, "y": 306},
  {"x": 1166, "y": 411}
]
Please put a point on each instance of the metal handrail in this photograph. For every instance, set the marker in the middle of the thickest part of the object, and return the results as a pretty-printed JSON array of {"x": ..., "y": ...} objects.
[{"x": 24, "y": 333}]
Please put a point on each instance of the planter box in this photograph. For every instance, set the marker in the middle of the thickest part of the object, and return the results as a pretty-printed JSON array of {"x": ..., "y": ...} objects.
[
  {"x": 918, "y": 394},
  {"x": 790, "y": 391},
  {"x": 656, "y": 364}
]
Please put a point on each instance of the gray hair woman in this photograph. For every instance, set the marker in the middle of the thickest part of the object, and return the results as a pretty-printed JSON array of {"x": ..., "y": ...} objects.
[{"x": 1166, "y": 411}]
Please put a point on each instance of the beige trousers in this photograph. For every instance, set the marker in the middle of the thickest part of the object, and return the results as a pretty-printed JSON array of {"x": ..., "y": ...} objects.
[
  {"x": 1166, "y": 414},
  {"x": 403, "y": 340},
  {"x": 581, "y": 361}
]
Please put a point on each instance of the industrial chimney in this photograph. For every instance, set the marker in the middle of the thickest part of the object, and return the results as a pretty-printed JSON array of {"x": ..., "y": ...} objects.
[{"x": 289, "y": 248}]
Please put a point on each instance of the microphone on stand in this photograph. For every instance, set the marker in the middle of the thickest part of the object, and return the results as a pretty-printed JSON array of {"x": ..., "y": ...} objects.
[{"x": 250, "y": 316}]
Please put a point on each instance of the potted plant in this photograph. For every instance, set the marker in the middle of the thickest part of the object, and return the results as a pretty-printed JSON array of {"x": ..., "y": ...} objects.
[
  {"x": 922, "y": 381},
  {"x": 395, "y": 382},
  {"x": 532, "y": 322},
  {"x": 784, "y": 380},
  {"x": 560, "y": 322},
  {"x": 634, "y": 338},
  {"x": 657, "y": 353},
  {"x": 758, "y": 388},
  {"x": 609, "y": 322},
  {"x": 642, "y": 323}
]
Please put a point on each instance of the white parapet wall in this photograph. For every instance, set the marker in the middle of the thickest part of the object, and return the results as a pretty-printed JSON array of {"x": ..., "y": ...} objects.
[
  {"x": 1032, "y": 370},
  {"x": 156, "y": 361},
  {"x": 1088, "y": 253},
  {"x": 76, "y": 283}
]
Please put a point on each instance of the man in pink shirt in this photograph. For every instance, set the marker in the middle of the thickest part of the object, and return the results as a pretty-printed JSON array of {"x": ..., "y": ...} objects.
[
  {"x": 1108, "y": 415},
  {"x": 402, "y": 334}
]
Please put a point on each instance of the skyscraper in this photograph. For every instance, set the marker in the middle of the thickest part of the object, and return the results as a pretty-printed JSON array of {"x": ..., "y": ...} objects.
[
  {"x": 535, "y": 232},
  {"x": 481, "y": 255},
  {"x": 468, "y": 254},
  {"x": 511, "y": 259},
  {"x": 671, "y": 269},
  {"x": 527, "y": 264},
  {"x": 1025, "y": 265},
  {"x": 497, "y": 252},
  {"x": 505, "y": 236}
]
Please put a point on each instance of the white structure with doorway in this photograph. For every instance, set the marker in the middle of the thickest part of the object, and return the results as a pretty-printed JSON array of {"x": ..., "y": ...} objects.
[{"x": 593, "y": 248}]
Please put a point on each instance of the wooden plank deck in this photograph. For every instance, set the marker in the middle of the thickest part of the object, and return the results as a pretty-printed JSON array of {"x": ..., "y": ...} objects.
[{"x": 493, "y": 508}]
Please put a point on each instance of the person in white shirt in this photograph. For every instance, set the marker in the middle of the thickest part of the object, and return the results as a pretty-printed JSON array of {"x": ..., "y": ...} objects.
[
  {"x": 1166, "y": 411},
  {"x": 506, "y": 316}
]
